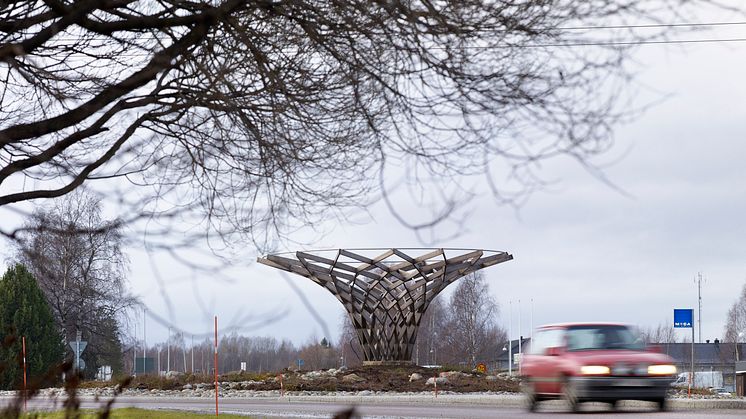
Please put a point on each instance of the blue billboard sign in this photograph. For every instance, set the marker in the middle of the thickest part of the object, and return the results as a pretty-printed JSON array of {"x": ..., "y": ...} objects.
[{"x": 683, "y": 317}]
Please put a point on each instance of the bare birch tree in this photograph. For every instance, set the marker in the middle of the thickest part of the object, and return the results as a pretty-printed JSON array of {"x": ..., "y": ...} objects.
[
  {"x": 430, "y": 335},
  {"x": 349, "y": 343},
  {"x": 77, "y": 259},
  {"x": 472, "y": 333},
  {"x": 735, "y": 323},
  {"x": 662, "y": 333}
]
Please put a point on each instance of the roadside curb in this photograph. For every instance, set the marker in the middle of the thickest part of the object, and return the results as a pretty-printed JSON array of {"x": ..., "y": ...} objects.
[
  {"x": 496, "y": 400},
  {"x": 509, "y": 401},
  {"x": 506, "y": 401},
  {"x": 699, "y": 404}
]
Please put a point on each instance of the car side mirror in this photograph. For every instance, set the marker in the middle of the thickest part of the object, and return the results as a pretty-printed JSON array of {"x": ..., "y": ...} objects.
[{"x": 554, "y": 351}]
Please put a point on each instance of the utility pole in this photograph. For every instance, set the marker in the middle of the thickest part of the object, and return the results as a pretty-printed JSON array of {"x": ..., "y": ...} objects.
[
  {"x": 168, "y": 354},
  {"x": 698, "y": 280}
]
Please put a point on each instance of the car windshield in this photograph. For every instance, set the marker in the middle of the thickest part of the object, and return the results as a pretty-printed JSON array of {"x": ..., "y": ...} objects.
[{"x": 592, "y": 337}]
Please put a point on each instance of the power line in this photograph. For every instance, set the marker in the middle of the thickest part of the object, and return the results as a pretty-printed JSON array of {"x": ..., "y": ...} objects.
[
  {"x": 648, "y": 26},
  {"x": 616, "y": 43}
]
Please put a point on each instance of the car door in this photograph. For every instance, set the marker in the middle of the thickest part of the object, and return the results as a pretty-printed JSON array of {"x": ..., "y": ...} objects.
[
  {"x": 539, "y": 364},
  {"x": 550, "y": 367}
]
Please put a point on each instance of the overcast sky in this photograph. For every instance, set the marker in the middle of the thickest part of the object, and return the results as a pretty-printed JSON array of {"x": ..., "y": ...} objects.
[{"x": 583, "y": 250}]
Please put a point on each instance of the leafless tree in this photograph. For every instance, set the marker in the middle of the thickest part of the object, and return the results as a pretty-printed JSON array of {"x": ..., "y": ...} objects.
[
  {"x": 472, "y": 332},
  {"x": 243, "y": 116},
  {"x": 261, "y": 354},
  {"x": 736, "y": 322},
  {"x": 77, "y": 259},
  {"x": 429, "y": 337},
  {"x": 319, "y": 354},
  {"x": 351, "y": 351},
  {"x": 662, "y": 333}
]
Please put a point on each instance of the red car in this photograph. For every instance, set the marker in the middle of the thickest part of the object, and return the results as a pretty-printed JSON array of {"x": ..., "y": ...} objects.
[{"x": 584, "y": 362}]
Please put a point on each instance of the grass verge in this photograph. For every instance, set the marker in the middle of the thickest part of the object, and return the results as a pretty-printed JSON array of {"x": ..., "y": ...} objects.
[{"x": 128, "y": 413}]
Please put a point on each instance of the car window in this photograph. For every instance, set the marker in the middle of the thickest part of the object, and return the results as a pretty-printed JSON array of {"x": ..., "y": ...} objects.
[
  {"x": 544, "y": 339},
  {"x": 592, "y": 337},
  {"x": 555, "y": 338},
  {"x": 537, "y": 345}
]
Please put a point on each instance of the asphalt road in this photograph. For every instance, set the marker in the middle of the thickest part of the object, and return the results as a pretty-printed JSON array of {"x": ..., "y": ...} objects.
[{"x": 303, "y": 409}]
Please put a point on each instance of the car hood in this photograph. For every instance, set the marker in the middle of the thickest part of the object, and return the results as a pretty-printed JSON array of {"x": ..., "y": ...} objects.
[{"x": 607, "y": 357}]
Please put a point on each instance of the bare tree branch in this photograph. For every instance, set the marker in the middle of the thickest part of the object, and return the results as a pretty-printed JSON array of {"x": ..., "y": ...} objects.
[{"x": 256, "y": 117}]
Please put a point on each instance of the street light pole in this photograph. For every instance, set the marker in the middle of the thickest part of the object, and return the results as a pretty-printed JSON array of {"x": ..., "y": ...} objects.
[
  {"x": 510, "y": 337},
  {"x": 144, "y": 342},
  {"x": 520, "y": 339},
  {"x": 735, "y": 375}
]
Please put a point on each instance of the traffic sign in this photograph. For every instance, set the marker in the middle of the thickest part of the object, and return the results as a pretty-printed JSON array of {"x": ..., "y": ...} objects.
[
  {"x": 683, "y": 317},
  {"x": 76, "y": 348}
]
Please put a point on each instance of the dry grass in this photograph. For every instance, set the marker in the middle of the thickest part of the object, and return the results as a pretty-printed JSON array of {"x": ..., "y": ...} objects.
[{"x": 128, "y": 413}]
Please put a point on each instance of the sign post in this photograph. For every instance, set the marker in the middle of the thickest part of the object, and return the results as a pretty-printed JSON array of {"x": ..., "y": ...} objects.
[
  {"x": 78, "y": 347},
  {"x": 683, "y": 318},
  {"x": 216, "y": 365},
  {"x": 23, "y": 339}
]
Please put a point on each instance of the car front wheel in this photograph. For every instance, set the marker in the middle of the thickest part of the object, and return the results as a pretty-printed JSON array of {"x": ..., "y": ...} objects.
[
  {"x": 570, "y": 395},
  {"x": 662, "y": 404},
  {"x": 528, "y": 390}
]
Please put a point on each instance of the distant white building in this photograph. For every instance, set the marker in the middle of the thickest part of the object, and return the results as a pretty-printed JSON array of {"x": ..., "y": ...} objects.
[{"x": 104, "y": 373}]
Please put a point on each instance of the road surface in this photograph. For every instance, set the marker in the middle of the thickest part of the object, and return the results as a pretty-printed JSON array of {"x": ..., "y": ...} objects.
[{"x": 277, "y": 408}]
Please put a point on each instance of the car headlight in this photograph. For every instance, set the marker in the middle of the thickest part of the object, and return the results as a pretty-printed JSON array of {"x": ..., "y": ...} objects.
[
  {"x": 594, "y": 370},
  {"x": 662, "y": 369}
]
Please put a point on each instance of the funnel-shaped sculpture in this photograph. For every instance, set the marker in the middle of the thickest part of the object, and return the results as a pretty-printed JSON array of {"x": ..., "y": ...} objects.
[{"x": 386, "y": 291}]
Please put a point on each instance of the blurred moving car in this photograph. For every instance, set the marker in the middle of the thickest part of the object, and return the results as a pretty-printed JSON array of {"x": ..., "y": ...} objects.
[{"x": 583, "y": 362}]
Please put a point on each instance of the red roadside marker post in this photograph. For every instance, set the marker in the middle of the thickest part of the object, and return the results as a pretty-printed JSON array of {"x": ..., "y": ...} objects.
[
  {"x": 216, "y": 365},
  {"x": 23, "y": 340}
]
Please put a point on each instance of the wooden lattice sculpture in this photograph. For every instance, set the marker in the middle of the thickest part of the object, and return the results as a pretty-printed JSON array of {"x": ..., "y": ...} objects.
[{"x": 387, "y": 293}]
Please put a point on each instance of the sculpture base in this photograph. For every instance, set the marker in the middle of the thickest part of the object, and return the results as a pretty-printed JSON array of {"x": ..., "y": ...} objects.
[{"x": 388, "y": 363}]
